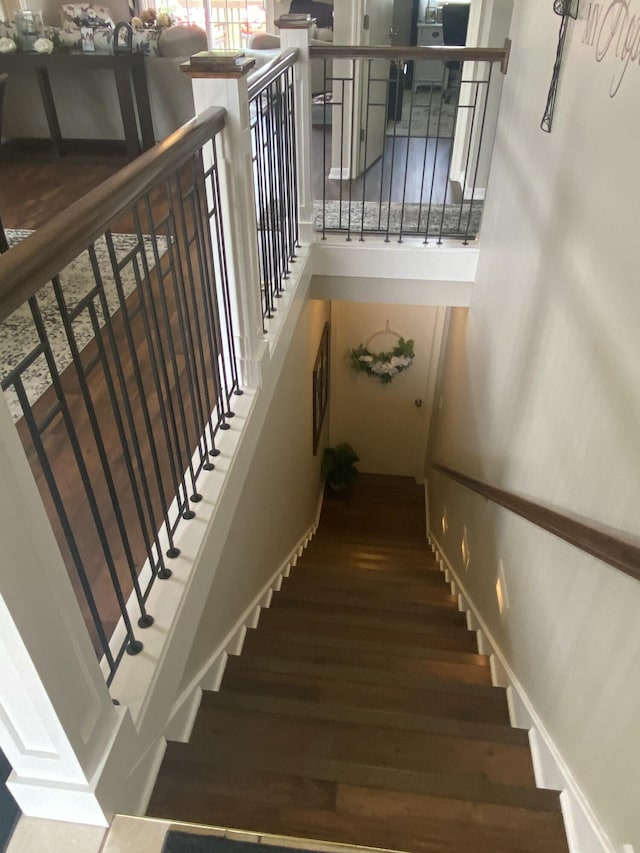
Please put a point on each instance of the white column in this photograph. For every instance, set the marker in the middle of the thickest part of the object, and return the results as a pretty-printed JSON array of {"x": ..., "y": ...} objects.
[
  {"x": 297, "y": 36},
  {"x": 229, "y": 89},
  {"x": 57, "y": 720}
]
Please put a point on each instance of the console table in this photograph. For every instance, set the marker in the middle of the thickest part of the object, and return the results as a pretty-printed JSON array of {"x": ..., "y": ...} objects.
[{"x": 130, "y": 78}]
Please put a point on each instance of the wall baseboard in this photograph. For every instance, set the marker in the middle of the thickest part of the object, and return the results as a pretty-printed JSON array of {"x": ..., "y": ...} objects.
[
  {"x": 585, "y": 833},
  {"x": 209, "y": 677}
]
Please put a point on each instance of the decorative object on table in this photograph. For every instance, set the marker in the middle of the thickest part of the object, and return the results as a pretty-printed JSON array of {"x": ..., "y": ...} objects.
[
  {"x": 29, "y": 28},
  {"x": 320, "y": 386},
  {"x": 338, "y": 466},
  {"x": 43, "y": 45},
  {"x": 385, "y": 365},
  {"x": 7, "y": 45},
  {"x": 76, "y": 15},
  {"x": 150, "y": 19},
  {"x": 567, "y": 9},
  {"x": 123, "y": 38},
  {"x": 88, "y": 40}
]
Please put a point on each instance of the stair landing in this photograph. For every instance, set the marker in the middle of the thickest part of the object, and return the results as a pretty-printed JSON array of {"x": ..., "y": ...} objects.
[{"x": 360, "y": 711}]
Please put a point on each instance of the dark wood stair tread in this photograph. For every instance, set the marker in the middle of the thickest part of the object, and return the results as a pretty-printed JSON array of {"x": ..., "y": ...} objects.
[
  {"x": 233, "y": 731},
  {"x": 272, "y": 680},
  {"x": 363, "y": 604},
  {"x": 360, "y": 577},
  {"x": 365, "y": 675},
  {"x": 488, "y": 732},
  {"x": 317, "y": 770},
  {"x": 433, "y": 636},
  {"x": 431, "y": 665},
  {"x": 372, "y": 646}
]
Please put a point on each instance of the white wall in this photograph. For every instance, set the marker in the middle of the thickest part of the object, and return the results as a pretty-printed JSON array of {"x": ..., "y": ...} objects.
[
  {"x": 541, "y": 396},
  {"x": 382, "y": 422},
  {"x": 279, "y": 498}
]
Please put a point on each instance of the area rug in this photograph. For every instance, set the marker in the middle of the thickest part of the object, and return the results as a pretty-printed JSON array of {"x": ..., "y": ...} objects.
[
  {"x": 18, "y": 335},
  {"x": 186, "y": 842},
  {"x": 424, "y": 113},
  {"x": 452, "y": 220}
]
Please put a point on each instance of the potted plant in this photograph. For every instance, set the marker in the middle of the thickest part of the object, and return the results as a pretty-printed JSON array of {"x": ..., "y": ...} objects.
[{"x": 338, "y": 466}]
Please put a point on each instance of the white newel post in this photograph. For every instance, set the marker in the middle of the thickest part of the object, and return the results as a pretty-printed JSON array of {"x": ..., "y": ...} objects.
[
  {"x": 296, "y": 35},
  {"x": 228, "y": 88},
  {"x": 57, "y": 719}
]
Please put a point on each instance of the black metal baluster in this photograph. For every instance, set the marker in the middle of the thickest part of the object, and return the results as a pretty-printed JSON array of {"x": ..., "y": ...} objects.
[
  {"x": 475, "y": 174},
  {"x": 172, "y": 551},
  {"x": 224, "y": 280},
  {"x": 366, "y": 144},
  {"x": 324, "y": 148},
  {"x": 35, "y": 434},
  {"x": 161, "y": 376},
  {"x": 186, "y": 339},
  {"x": 211, "y": 296},
  {"x": 435, "y": 153},
  {"x": 208, "y": 288},
  {"x": 406, "y": 159},
  {"x": 175, "y": 390},
  {"x": 450, "y": 160},
  {"x": 133, "y": 646},
  {"x": 76, "y": 358},
  {"x": 204, "y": 397},
  {"x": 115, "y": 405}
]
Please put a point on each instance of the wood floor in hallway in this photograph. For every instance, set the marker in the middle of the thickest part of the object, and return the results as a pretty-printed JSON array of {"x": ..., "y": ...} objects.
[{"x": 359, "y": 710}]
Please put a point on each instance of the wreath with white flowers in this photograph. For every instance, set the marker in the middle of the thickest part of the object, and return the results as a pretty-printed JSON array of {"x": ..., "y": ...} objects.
[{"x": 383, "y": 366}]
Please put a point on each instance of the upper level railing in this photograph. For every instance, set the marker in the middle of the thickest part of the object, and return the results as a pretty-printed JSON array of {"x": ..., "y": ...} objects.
[
  {"x": 612, "y": 546},
  {"x": 403, "y": 139},
  {"x": 120, "y": 370},
  {"x": 273, "y": 140}
]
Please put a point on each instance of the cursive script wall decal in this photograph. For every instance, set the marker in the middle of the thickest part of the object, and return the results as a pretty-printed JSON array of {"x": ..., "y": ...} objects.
[
  {"x": 566, "y": 9},
  {"x": 613, "y": 30}
]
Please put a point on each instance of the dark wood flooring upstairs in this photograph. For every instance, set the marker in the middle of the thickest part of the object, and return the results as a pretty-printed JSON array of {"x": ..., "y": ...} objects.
[{"x": 360, "y": 711}]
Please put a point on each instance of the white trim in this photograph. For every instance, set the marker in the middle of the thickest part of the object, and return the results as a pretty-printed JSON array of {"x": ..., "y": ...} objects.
[
  {"x": 339, "y": 174},
  {"x": 585, "y": 833},
  {"x": 209, "y": 676},
  {"x": 459, "y": 181}
]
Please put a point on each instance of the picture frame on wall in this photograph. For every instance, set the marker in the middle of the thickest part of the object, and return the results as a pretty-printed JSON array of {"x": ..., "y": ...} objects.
[{"x": 320, "y": 387}]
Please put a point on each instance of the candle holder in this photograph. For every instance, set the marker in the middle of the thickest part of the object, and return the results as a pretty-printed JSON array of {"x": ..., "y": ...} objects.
[{"x": 29, "y": 27}]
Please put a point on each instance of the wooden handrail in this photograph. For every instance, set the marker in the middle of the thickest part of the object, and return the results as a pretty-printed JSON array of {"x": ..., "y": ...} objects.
[
  {"x": 263, "y": 77},
  {"x": 444, "y": 53},
  {"x": 35, "y": 260},
  {"x": 612, "y": 546}
]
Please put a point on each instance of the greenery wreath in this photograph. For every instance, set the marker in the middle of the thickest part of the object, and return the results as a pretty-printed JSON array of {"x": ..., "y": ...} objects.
[{"x": 383, "y": 365}]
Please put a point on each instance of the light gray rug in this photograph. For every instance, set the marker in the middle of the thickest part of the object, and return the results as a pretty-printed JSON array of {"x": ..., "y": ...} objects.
[
  {"x": 18, "y": 335},
  {"x": 424, "y": 114},
  {"x": 453, "y": 220}
]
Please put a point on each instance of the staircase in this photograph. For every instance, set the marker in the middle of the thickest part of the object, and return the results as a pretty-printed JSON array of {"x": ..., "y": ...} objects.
[{"x": 360, "y": 711}]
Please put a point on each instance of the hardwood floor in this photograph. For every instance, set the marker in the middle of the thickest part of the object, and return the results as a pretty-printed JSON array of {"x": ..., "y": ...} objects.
[
  {"x": 359, "y": 710},
  {"x": 34, "y": 189},
  {"x": 404, "y": 172}
]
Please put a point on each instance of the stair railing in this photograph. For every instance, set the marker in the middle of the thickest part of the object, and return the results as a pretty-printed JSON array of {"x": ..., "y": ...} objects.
[
  {"x": 612, "y": 546},
  {"x": 120, "y": 370},
  {"x": 402, "y": 160}
]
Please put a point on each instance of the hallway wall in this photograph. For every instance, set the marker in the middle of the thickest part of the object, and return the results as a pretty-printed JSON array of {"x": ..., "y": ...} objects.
[
  {"x": 541, "y": 396},
  {"x": 279, "y": 498},
  {"x": 382, "y": 422}
]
